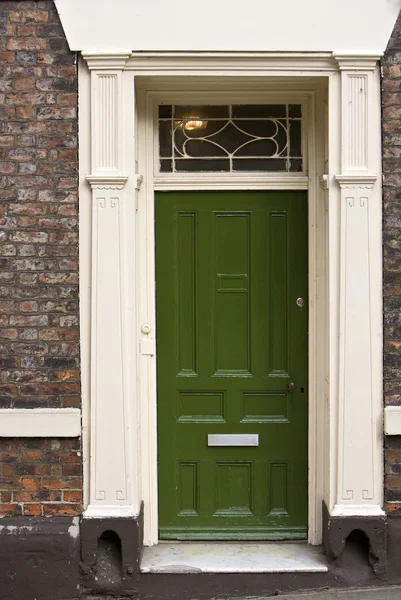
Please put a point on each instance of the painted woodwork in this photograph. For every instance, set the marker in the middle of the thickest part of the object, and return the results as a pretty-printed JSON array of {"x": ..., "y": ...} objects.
[{"x": 230, "y": 338}]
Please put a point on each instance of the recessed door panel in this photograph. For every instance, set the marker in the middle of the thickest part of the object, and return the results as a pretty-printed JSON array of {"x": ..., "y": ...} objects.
[
  {"x": 186, "y": 291},
  {"x": 232, "y": 431},
  {"x": 278, "y": 292},
  {"x": 232, "y": 299}
]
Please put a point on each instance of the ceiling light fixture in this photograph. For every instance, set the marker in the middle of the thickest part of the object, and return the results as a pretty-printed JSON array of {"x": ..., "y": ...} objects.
[{"x": 194, "y": 123}]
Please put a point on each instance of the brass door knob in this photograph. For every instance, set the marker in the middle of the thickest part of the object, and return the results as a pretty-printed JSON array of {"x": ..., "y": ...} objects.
[{"x": 291, "y": 387}]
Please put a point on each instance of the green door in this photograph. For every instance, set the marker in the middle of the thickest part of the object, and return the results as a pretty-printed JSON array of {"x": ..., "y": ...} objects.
[{"x": 231, "y": 337}]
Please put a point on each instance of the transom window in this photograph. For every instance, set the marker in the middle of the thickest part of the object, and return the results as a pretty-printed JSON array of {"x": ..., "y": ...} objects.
[{"x": 230, "y": 138}]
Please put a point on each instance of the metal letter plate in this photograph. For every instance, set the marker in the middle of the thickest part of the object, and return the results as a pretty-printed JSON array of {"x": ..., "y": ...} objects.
[{"x": 233, "y": 439}]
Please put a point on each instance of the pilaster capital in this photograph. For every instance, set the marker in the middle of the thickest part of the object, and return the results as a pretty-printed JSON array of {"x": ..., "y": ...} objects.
[
  {"x": 104, "y": 61},
  {"x": 357, "y": 62},
  {"x": 116, "y": 182},
  {"x": 356, "y": 181}
]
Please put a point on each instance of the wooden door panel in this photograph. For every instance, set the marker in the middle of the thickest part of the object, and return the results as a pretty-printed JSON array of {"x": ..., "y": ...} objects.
[
  {"x": 231, "y": 298},
  {"x": 278, "y": 293},
  {"x": 186, "y": 308},
  {"x": 230, "y": 337}
]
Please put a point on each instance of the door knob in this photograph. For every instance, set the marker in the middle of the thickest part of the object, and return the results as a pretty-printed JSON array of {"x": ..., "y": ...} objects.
[{"x": 291, "y": 387}]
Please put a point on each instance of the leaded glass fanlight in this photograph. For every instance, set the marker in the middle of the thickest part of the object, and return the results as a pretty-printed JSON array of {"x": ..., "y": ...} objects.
[{"x": 230, "y": 138}]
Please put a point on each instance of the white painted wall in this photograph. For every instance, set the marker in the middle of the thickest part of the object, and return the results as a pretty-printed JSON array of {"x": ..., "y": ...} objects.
[{"x": 256, "y": 25}]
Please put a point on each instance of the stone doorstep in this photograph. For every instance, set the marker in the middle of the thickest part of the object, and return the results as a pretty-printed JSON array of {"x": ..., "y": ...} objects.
[
  {"x": 377, "y": 593},
  {"x": 233, "y": 557}
]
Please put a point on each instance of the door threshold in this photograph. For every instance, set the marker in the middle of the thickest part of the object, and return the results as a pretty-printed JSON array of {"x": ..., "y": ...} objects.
[{"x": 233, "y": 557}]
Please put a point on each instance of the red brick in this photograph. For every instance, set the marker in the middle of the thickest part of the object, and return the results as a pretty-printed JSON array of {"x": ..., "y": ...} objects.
[
  {"x": 24, "y": 84},
  {"x": 72, "y": 496},
  {"x": 32, "y": 510},
  {"x": 28, "y": 43},
  {"x": 16, "y": 15},
  {"x": 29, "y": 321},
  {"x": 7, "y": 140},
  {"x": 25, "y": 30},
  {"x": 31, "y": 483},
  {"x": 43, "y": 469},
  {"x": 9, "y": 483},
  {"x": 61, "y": 71},
  {"x": 26, "y": 209},
  {"x": 7, "y": 306},
  {"x": 68, "y": 99},
  {"x": 29, "y": 306},
  {"x": 69, "y": 457},
  {"x": 6, "y": 168},
  {"x": 7, "y": 470},
  {"x": 390, "y": 507},
  {"x": 8, "y": 334},
  {"x": 392, "y": 71},
  {"x": 64, "y": 510},
  {"x": 61, "y": 483},
  {"x": 7, "y": 57},
  {"x": 69, "y": 375},
  {"x": 10, "y": 509},
  {"x": 36, "y": 16},
  {"x": 25, "y": 112},
  {"x": 32, "y": 456},
  {"x": 25, "y": 496},
  {"x": 72, "y": 469}
]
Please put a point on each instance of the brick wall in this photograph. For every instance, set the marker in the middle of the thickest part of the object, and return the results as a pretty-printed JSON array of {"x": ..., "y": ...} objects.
[
  {"x": 40, "y": 477},
  {"x": 39, "y": 335},
  {"x": 391, "y": 105}
]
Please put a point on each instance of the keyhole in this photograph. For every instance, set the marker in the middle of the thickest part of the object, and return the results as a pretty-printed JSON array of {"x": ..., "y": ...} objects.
[{"x": 302, "y": 390}]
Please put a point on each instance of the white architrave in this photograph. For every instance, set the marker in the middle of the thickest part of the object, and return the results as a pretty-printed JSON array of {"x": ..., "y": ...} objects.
[
  {"x": 209, "y": 90},
  {"x": 360, "y": 412},
  {"x": 112, "y": 452},
  {"x": 117, "y": 270}
]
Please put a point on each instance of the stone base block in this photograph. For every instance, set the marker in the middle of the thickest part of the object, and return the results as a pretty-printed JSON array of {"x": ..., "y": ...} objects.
[
  {"x": 336, "y": 530},
  {"x": 110, "y": 554}
]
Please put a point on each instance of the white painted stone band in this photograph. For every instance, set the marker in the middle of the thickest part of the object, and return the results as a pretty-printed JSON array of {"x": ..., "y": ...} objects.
[
  {"x": 40, "y": 422},
  {"x": 392, "y": 420}
]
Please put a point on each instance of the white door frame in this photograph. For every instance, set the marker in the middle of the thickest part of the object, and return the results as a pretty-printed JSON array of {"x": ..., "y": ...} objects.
[
  {"x": 117, "y": 241},
  {"x": 147, "y": 103}
]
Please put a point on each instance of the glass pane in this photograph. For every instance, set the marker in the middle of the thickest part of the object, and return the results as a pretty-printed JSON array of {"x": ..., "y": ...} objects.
[
  {"x": 166, "y": 166},
  {"x": 260, "y": 164},
  {"x": 201, "y": 112},
  {"x": 165, "y": 111},
  {"x": 295, "y": 110},
  {"x": 258, "y": 128},
  {"x": 230, "y": 137},
  {"x": 165, "y": 145},
  {"x": 295, "y": 138},
  {"x": 296, "y": 165},
  {"x": 258, "y": 111},
  {"x": 198, "y": 165},
  {"x": 203, "y": 148},
  {"x": 258, "y": 148},
  {"x": 240, "y": 137}
]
